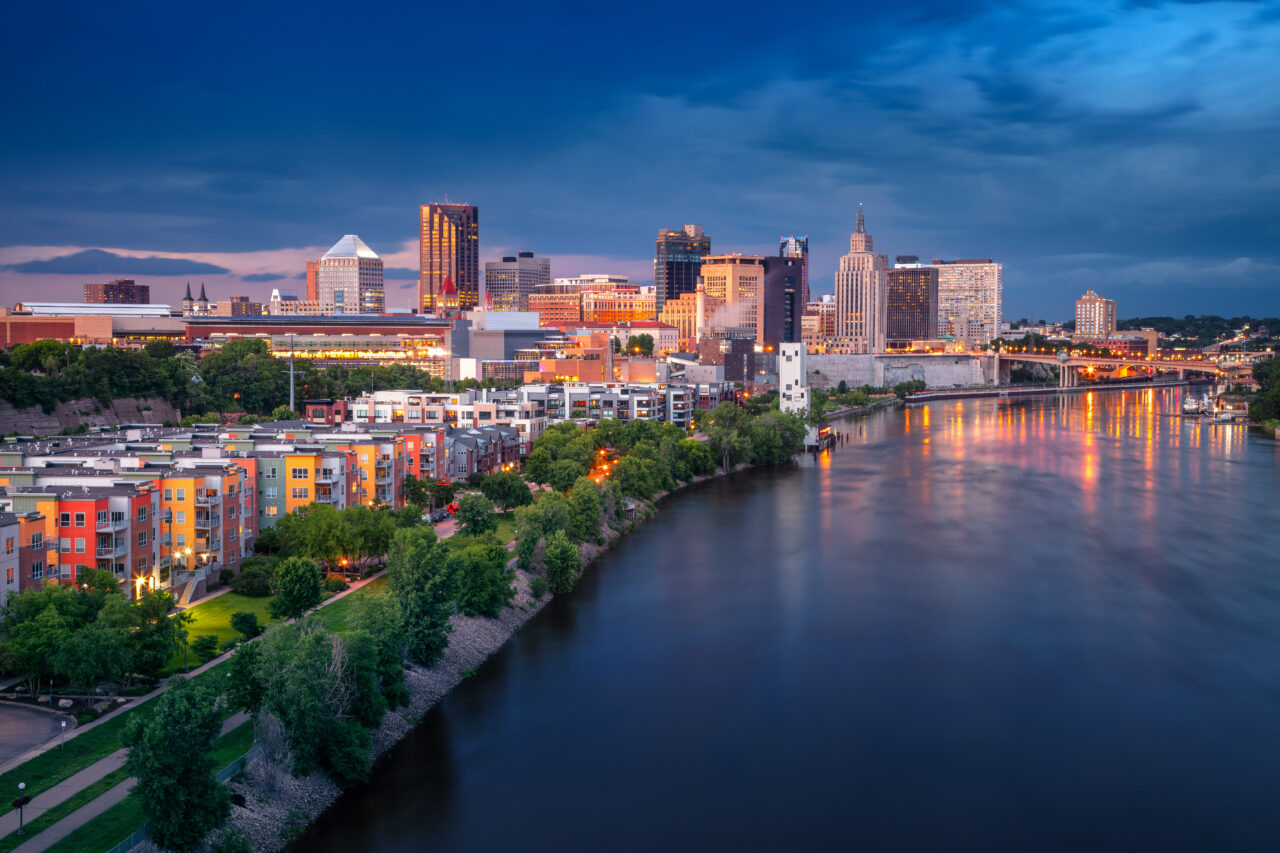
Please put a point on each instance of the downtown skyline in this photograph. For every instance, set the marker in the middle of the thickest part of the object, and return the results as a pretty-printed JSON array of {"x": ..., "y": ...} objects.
[{"x": 1125, "y": 148}]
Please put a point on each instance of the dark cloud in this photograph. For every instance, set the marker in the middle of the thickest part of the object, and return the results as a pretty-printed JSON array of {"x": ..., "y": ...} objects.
[
  {"x": 99, "y": 262},
  {"x": 261, "y": 276},
  {"x": 399, "y": 273}
]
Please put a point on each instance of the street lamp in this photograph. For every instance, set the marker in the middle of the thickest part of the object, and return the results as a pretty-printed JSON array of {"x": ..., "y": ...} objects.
[
  {"x": 22, "y": 800},
  {"x": 64, "y": 735}
]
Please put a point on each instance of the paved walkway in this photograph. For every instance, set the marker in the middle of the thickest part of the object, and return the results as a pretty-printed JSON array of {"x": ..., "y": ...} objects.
[
  {"x": 23, "y": 725},
  {"x": 94, "y": 807}
]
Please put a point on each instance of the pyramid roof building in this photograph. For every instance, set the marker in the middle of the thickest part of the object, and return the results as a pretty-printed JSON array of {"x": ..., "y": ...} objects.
[{"x": 351, "y": 246}]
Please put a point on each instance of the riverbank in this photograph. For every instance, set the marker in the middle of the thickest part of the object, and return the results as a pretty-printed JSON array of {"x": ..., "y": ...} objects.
[
  {"x": 889, "y": 402},
  {"x": 272, "y": 807},
  {"x": 1031, "y": 391}
]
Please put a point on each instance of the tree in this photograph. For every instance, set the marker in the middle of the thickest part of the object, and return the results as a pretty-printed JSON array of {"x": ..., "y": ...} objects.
[
  {"x": 484, "y": 584},
  {"x": 297, "y": 588},
  {"x": 180, "y": 796},
  {"x": 92, "y": 653},
  {"x": 441, "y": 494},
  {"x": 416, "y": 492},
  {"x": 380, "y": 618},
  {"x": 564, "y": 473},
  {"x": 369, "y": 532},
  {"x": 423, "y": 587},
  {"x": 283, "y": 413},
  {"x": 584, "y": 510},
  {"x": 157, "y": 635},
  {"x": 476, "y": 515},
  {"x": 564, "y": 563},
  {"x": 31, "y": 647},
  {"x": 246, "y": 623},
  {"x": 640, "y": 345},
  {"x": 537, "y": 465},
  {"x": 507, "y": 489},
  {"x": 205, "y": 647}
]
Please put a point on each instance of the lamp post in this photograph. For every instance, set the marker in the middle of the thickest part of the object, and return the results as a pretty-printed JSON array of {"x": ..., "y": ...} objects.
[
  {"x": 63, "y": 745},
  {"x": 22, "y": 800}
]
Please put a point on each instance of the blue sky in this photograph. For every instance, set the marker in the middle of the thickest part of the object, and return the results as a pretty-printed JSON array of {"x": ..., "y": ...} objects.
[{"x": 1131, "y": 147}]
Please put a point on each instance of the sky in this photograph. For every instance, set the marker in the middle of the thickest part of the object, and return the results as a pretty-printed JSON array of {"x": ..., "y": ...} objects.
[{"x": 1131, "y": 147}]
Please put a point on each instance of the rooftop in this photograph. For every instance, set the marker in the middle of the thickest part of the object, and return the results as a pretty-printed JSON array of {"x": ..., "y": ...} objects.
[{"x": 350, "y": 246}]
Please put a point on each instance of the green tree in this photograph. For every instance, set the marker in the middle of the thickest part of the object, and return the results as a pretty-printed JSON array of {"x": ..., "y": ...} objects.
[
  {"x": 31, "y": 647},
  {"x": 476, "y": 515},
  {"x": 369, "y": 532},
  {"x": 416, "y": 492},
  {"x": 507, "y": 489},
  {"x": 245, "y": 687},
  {"x": 246, "y": 623},
  {"x": 537, "y": 466},
  {"x": 441, "y": 494},
  {"x": 640, "y": 345},
  {"x": 283, "y": 413},
  {"x": 564, "y": 563},
  {"x": 380, "y": 618},
  {"x": 180, "y": 796},
  {"x": 584, "y": 510},
  {"x": 205, "y": 647},
  {"x": 92, "y": 653},
  {"x": 484, "y": 584},
  {"x": 297, "y": 588},
  {"x": 564, "y": 473},
  {"x": 421, "y": 584},
  {"x": 157, "y": 635}
]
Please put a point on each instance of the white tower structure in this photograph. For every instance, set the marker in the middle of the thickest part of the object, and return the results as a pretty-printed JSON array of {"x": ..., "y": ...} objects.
[{"x": 793, "y": 390}]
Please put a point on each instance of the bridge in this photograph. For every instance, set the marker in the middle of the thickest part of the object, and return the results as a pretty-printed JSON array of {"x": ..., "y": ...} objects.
[{"x": 1070, "y": 365}]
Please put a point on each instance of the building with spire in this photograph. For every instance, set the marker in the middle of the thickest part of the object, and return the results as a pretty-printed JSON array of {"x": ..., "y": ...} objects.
[
  {"x": 448, "y": 248},
  {"x": 188, "y": 304},
  {"x": 861, "y": 294},
  {"x": 798, "y": 247},
  {"x": 349, "y": 279}
]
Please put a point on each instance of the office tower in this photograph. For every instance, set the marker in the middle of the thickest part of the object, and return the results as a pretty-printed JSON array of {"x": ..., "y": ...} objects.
[
  {"x": 736, "y": 280},
  {"x": 124, "y": 291},
  {"x": 778, "y": 305},
  {"x": 448, "y": 248},
  {"x": 912, "y": 303},
  {"x": 313, "y": 284},
  {"x": 237, "y": 306},
  {"x": 508, "y": 283},
  {"x": 1095, "y": 315},
  {"x": 349, "y": 279},
  {"x": 798, "y": 247},
  {"x": 970, "y": 293},
  {"x": 861, "y": 282},
  {"x": 677, "y": 262}
]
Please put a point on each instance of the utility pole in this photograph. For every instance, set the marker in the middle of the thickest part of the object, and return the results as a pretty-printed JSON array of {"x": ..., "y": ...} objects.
[{"x": 291, "y": 406}]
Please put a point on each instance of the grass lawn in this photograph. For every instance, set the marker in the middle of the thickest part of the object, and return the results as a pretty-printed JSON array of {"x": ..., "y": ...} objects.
[
  {"x": 506, "y": 528},
  {"x": 336, "y": 616},
  {"x": 214, "y": 616},
  {"x": 117, "y": 822}
]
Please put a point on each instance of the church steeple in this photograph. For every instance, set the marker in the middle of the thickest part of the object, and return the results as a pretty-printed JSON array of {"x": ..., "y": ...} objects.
[
  {"x": 203, "y": 298},
  {"x": 860, "y": 240},
  {"x": 861, "y": 226},
  {"x": 188, "y": 298}
]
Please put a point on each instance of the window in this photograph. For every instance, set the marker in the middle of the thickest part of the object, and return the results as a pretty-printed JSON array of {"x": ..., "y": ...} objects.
[
  {"x": 301, "y": 493},
  {"x": 180, "y": 517},
  {"x": 142, "y": 539},
  {"x": 168, "y": 495},
  {"x": 64, "y": 519},
  {"x": 79, "y": 519},
  {"x": 298, "y": 474},
  {"x": 364, "y": 458},
  {"x": 8, "y": 576},
  {"x": 182, "y": 494},
  {"x": 37, "y": 540},
  {"x": 270, "y": 511},
  {"x": 142, "y": 513},
  {"x": 37, "y": 570},
  {"x": 66, "y": 545},
  {"x": 271, "y": 492},
  {"x": 270, "y": 473},
  {"x": 8, "y": 545},
  {"x": 102, "y": 517},
  {"x": 142, "y": 564},
  {"x": 79, "y": 546},
  {"x": 231, "y": 513}
]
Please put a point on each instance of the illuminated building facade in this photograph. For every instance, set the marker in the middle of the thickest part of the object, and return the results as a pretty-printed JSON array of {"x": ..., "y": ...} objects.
[
  {"x": 448, "y": 248},
  {"x": 970, "y": 299},
  {"x": 798, "y": 247},
  {"x": 677, "y": 262},
  {"x": 349, "y": 279},
  {"x": 861, "y": 282},
  {"x": 619, "y": 306},
  {"x": 509, "y": 282},
  {"x": 1095, "y": 315},
  {"x": 912, "y": 312},
  {"x": 124, "y": 291}
]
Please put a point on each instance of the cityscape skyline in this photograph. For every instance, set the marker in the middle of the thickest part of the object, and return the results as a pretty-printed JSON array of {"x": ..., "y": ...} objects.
[{"x": 952, "y": 124}]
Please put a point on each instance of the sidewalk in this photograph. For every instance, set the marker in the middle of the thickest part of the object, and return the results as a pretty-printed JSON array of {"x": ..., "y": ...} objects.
[{"x": 94, "y": 807}]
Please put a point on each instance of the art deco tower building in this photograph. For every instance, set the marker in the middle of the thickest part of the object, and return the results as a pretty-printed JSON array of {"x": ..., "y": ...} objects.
[
  {"x": 861, "y": 293},
  {"x": 448, "y": 247}
]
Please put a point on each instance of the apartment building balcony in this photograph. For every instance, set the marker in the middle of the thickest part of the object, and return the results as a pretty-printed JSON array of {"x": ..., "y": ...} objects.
[
  {"x": 328, "y": 495},
  {"x": 329, "y": 475},
  {"x": 164, "y": 539},
  {"x": 119, "y": 548},
  {"x": 207, "y": 522},
  {"x": 208, "y": 500},
  {"x": 49, "y": 544},
  {"x": 166, "y": 516},
  {"x": 117, "y": 521},
  {"x": 208, "y": 544}
]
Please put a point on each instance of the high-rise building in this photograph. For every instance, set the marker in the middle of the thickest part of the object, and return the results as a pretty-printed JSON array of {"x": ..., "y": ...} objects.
[
  {"x": 448, "y": 248},
  {"x": 778, "y": 305},
  {"x": 970, "y": 297},
  {"x": 123, "y": 291},
  {"x": 677, "y": 263},
  {"x": 508, "y": 283},
  {"x": 861, "y": 282},
  {"x": 798, "y": 247},
  {"x": 349, "y": 279},
  {"x": 912, "y": 303},
  {"x": 1095, "y": 315},
  {"x": 736, "y": 280},
  {"x": 313, "y": 283}
]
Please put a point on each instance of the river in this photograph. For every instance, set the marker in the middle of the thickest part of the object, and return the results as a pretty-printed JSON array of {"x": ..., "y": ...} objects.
[{"x": 1049, "y": 624}]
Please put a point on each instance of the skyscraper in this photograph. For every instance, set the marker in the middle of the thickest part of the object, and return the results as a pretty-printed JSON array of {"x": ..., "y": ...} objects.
[
  {"x": 798, "y": 247},
  {"x": 509, "y": 282},
  {"x": 349, "y": 279},
  {"x": 778, "y": 305},
  {"x": 1095, "y": 315},
  {"x": 677, "y": 263},
  {"x": 970, "y": 298},
  {"x": 448, "y": 247},
  {"x": 123, "y": 291},
  {"x": 861, "y": 282},
  {"x": 911, "y": 294}
]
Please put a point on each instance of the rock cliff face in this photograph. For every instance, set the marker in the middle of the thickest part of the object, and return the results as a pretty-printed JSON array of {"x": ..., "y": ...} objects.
[{"x": 90, "y": 412}]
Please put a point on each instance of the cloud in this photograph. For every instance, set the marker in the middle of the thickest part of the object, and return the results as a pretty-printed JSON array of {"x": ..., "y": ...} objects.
[
  {"x": 98, "y": 262},
  {"x": 263, "y": 276},
  {"x": 399, "y": 273}
]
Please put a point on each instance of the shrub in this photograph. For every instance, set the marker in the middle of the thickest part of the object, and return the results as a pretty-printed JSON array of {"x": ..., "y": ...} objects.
[
  {"x": 564, "y": 563},
  {"x": 246, "y": 623},
  {"x": 205, "y": 647},
  {"x": 226, "y": 576},
  {"x": 231, "y": 841},
  {"x": 538, "y": 586},
  {"x": 333, "y": 583},
  {"x": 254, "y": 581}
]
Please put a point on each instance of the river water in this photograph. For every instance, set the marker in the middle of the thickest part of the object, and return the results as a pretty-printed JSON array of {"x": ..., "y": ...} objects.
[{"x": 1048, "y": 624}]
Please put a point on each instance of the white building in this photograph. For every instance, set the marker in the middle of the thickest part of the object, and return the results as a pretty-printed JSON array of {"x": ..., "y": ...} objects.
[
  {"x": 349, "y": 279},
  {"x": 1095, "y": 315},
  {"x": 793, "y": 388},
  {"x": 862, "y": 287},
  {"x": 508, "y": 282},
  {"x": 970, "y": 299}
]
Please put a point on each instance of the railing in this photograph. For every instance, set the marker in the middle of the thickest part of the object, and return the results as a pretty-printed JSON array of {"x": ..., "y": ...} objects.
[
  {"x": 119, "y": 548},
  {"x": 164, "y": 539},
  {"x": 113, "y": 524},
  {"x": 50, "y": 544},
  {"x": 208, "y": 521},
  {"x": 208, "y": 500}
]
